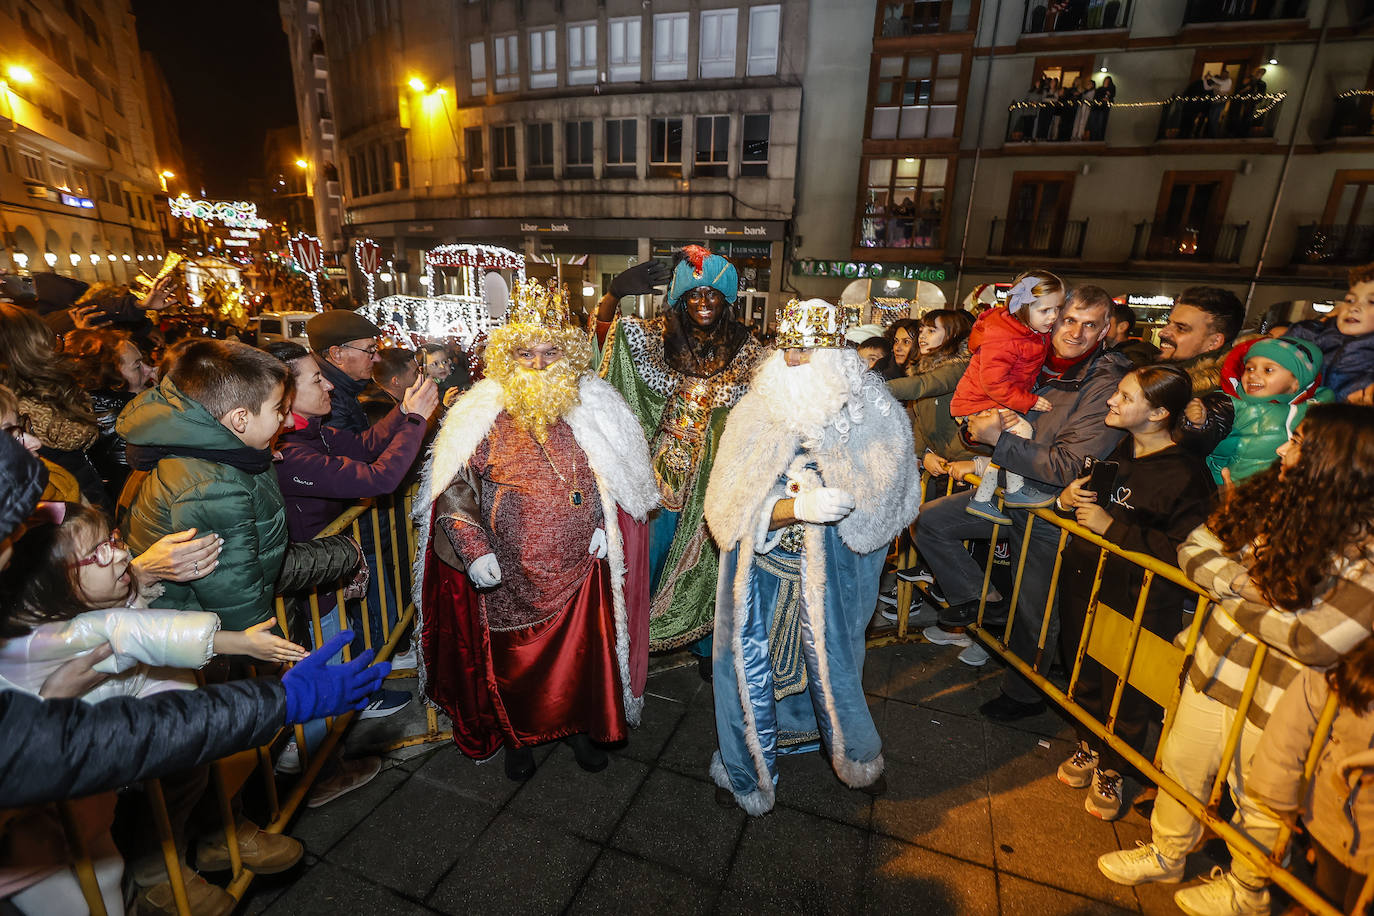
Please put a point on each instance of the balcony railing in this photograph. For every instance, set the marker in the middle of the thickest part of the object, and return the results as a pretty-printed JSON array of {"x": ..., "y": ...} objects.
[
  {"x": 1041, "y": 238},
  {"x": 1043, "y": 16},
  {"x": 1243, "y": 10},
  {"x": 1335, "y": 245},
  {"x": 1215, "y": 244},
  {"x": 1352, "y": 114},
  {"x": 1220, "y": 117},
  {"x": 1057, "y": 122},
  {"x": 900, "y": 227}
]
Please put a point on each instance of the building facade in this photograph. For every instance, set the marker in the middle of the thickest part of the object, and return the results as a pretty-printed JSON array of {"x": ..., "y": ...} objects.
[
  {"x": 317, "y": 152},
  {"x": 588, "y": 134},
  {"x": 1236, "y": 150},
  {"x": 78, "y": 160}
]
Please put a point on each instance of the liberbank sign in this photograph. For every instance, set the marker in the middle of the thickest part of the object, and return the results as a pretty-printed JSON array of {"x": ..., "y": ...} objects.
[
  {"x": 740, "y": 230},
  {"x": 868, "y": 270}
]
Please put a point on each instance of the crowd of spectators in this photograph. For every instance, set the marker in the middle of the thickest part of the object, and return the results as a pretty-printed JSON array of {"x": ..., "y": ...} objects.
[
  {"x": 199, "y": 487},
  {"x": 1242, "y": 458},
  {"x": 202, "y": 487}
]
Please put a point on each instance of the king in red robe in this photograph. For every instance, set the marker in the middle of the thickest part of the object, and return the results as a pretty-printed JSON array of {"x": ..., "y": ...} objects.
[{"x": 532, "y": 627}]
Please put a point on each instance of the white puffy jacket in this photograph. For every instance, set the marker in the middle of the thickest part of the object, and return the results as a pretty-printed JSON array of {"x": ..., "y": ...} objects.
[{"x": 146, "y": 643}]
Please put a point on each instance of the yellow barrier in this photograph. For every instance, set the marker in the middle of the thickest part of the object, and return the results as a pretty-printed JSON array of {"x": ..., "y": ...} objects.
[
  {"x": 388, "y": 555},
  {"x": 1139, "y": 658}
]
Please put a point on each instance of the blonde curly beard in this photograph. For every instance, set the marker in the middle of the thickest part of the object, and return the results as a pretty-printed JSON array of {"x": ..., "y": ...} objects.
[{"x": 538, "y": 398}]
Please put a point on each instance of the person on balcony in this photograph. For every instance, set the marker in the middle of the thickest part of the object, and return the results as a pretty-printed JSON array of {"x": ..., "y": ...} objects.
[
  {"x": 532, "y": 607},
  {"x": 813, "y": 480},
  {"x": 680, "y": 373}
]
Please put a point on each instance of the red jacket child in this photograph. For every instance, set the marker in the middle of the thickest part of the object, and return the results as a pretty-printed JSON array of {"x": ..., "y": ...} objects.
[{"x": 1007, "y": 356}]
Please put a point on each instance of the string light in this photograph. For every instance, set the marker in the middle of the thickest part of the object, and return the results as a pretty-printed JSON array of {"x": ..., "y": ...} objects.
[
  {"x": 367, "y": 255},
  {"x": 1271, "y": 98}
]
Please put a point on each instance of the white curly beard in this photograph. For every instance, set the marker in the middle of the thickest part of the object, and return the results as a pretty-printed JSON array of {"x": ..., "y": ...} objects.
[{"x": 806, "y": 399}]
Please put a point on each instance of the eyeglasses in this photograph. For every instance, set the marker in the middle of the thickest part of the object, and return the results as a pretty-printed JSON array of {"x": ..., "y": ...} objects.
[
  {"x": 104, "y": 551},
  {"x": 370, "y": 351},
  {"x": 20, "y": 428}
]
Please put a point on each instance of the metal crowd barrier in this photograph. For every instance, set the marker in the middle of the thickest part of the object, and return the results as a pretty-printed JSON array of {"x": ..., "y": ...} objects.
[
  {"x": 1116, "y": 639},
  {"x": 388, "y": 556}
]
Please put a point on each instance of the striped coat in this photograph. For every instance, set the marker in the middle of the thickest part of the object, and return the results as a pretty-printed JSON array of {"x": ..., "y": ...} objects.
[{"x": 1317, "y": 636}]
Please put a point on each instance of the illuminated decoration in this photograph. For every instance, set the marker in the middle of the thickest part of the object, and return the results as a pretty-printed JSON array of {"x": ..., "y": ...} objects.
[
  {"x": 72, "y": 200},
  {"x": 1268, "y": 100},
  {"x": 309, "y": 257},
  {"x": 465, "y": 316},
  {"x": 367, "y": 254},
  {"x": 860, "y": 270},
  {"x": 236, "y": 214}
]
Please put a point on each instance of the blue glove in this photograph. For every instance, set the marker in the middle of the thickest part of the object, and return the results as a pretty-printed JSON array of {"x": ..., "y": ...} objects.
[{"x": 315, "y": 689}]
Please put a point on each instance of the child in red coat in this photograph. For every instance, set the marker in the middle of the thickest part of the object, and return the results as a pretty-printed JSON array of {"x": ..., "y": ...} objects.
[{"x": 1009, "y": 345}]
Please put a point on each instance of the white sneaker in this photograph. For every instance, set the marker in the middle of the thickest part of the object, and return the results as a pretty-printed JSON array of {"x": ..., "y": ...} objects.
[
  {"x": 290, "y": 760},
  {"x": 1223, "y": 895},
  {"x": 405, "y": 660},
  {"x": 945, "y": 638},
  {"x": 1141, "y": 865},
  {"x": 975, "y": 656}
]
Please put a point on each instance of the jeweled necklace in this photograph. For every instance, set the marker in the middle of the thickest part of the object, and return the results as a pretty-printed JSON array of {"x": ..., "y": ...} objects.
[{"x": 574, "y": 494}]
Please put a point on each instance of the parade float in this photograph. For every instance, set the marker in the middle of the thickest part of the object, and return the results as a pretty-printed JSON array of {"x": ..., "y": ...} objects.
[{"x": 468, "y": 290}]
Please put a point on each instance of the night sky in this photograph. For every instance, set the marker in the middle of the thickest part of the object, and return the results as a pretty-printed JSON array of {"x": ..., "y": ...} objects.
[{"x": 230, "y": 73}]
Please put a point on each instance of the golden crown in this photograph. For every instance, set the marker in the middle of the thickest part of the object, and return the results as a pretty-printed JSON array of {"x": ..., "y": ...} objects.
[
  {"x": 812, "y": 324},
  {"x": 543, "y": 306}
]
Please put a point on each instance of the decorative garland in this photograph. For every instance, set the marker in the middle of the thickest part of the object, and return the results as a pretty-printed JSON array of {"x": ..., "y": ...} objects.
[{"x": 1272, "y": 98}]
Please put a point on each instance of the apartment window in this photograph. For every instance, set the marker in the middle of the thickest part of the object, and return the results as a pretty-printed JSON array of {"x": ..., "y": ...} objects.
[
  {"x": 753, "y": 160},
  {"x": 374, "y": 180},
  {"x": 503, "y": 152},
  {"x": 5, "y": 158},
  {"x": 577, "y": 149},
  {"x": 71, "y": 109},
  {"x": 904, "y": 203},
  {"x": 622, "y": 151},
  {"x": 543, "y": 58},
  {"x": 88, "y": 26},
  {"x": 581, "y": 53},
  {"x": 670, "y": 46},
  {"x": 717, "y": 53},
  {"x": 763, "y": 40},
  {"x": 402, "y": 163},
  {"x": 713, "y": 147},
  {"x": 623, "y": 44},
  {"x": 665, "y": 147},
  {"x": 129, "y": 203},
  {"x": 476, "y": 163},
  {"x": 115, "y": 192},
  {"x": 916, "y": 96},
  {"x": 1037, "y": 212},
  {"x": 539, "y": 150},
  {"x": 477, "y": 63},
  {"x": 31, "y": 165},
  {"x": 1189, "y": 215},
  {"x": 110, "y": 142},
  {"x": 507, "y": 63},
  {"x": 385, "y": 169},
  {"x": 83, "y": 182},
  {"x": 57, "y": 170},
  {"x": 899, "y": 18},
  {"x": 355, "y": 175}
]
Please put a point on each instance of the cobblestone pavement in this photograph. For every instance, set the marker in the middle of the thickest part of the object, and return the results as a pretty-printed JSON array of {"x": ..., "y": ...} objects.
[{"x": 974, "y": 822}]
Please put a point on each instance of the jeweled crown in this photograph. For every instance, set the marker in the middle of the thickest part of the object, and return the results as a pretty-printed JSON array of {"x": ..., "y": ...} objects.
[
  {"x": 812, "y": 324},
  {"x": 544, "y": 306}
]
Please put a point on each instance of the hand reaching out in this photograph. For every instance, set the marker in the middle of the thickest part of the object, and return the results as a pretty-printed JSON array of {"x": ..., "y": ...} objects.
[
  {"x": 179, "y": 557},
  {"x": 258, "y": 642}
]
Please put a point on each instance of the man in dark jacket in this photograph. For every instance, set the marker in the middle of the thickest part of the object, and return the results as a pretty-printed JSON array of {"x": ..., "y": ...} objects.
[
  {"x": 345, "y": 345},
  {"x": 396, "y": 371},
  {"x": 1119, "y": 339},
  {"x": 1202, "y": 325},
  {"x": 1078, "y": 378}
]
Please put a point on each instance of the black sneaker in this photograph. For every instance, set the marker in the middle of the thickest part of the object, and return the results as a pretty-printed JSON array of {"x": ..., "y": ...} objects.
[
  {"x": 931, "y": 594},
  {"x": 1005, "y": 709},
  {"x": 965, "y": 614}
]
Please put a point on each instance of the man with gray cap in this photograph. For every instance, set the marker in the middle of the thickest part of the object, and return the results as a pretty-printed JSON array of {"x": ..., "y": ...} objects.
[{"x": 345, "y": 345}]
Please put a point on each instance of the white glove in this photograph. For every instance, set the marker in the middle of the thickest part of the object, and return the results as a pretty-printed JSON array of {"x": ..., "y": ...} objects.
[
  {"x": 485, "y": 571},
  {"x": 597, "y": 547},
  {"x": 822, "y": 505}
]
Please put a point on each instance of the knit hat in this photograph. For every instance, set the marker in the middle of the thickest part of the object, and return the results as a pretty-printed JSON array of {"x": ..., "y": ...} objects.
[
  {"x": 699, "y": 267},
  {"x": 1303, "y": 358},
  {"x": 22, "y": 479},
  {"x": 337, "y": 327}
]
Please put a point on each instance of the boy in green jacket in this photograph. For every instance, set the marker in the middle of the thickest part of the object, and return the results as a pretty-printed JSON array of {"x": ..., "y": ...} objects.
[{"x": 204, "y": 438}]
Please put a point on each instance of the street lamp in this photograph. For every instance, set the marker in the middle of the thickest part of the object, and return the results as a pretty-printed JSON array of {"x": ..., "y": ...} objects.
[
  {"x": 164, "y": 175},
  {"x": 417, "y": 84},
  {"x": 302, "y": 164},
  {"x": 75, "y": 259}
]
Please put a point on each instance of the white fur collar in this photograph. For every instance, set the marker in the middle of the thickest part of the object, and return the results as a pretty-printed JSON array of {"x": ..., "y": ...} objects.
[{"x": 601, "y": 423}]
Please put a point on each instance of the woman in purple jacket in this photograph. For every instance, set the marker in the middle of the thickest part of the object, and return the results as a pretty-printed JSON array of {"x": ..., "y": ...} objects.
[{"x": 322, "y": 470}]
